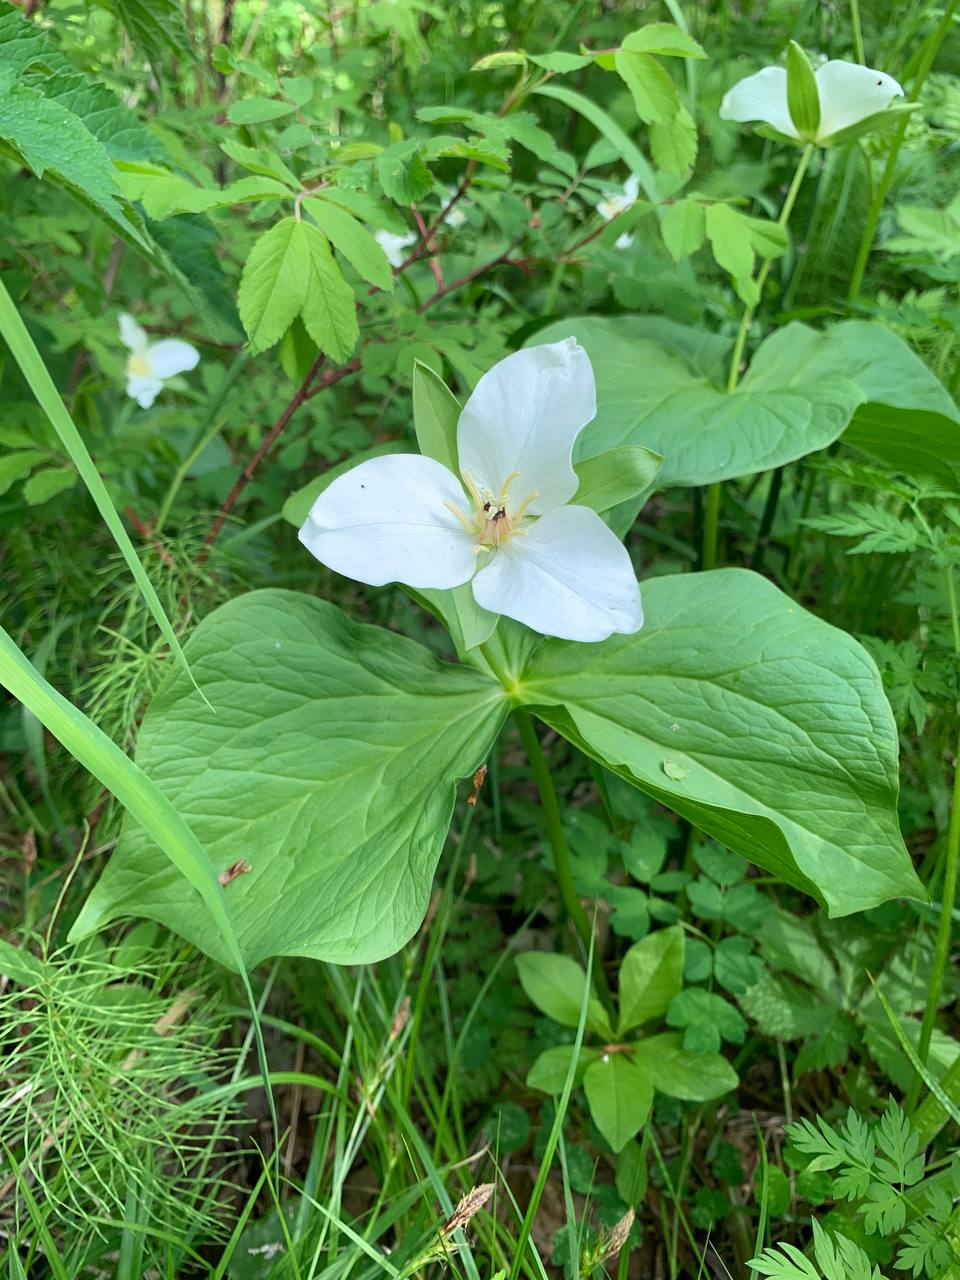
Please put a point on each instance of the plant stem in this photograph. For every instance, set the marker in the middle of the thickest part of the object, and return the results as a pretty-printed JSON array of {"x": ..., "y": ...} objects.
[
  {"x": 880, "y": 194},
  {"x": 857, "y": 32},
  {"x": 711, "y": 518},
  {"x": 558, "y": 842},
  {"x": 949, "y": 893}
]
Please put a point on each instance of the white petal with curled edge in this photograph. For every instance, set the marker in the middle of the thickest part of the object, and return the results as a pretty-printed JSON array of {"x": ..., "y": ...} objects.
[
  {"x": 385, "y": 521},
  {"x": 143, "y": 389},
  {"x": 762, "y": 96},
  {"x": 131, "y": 335},
  {"x": 849, "y": 93},
  {"x": 524, "y": 415},
  {"x": 631, "y": 188},
  {"x": 170, "y": 357},
  {"x": 570, "y": 576}
]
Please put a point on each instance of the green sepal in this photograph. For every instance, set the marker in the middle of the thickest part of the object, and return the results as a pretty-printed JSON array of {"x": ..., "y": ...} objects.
[{"x": 803, "y": 96}]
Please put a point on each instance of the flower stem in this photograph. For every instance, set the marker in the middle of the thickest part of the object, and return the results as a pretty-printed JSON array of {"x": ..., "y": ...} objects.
[
  {"x": 711, "y": 518},
  {"x": 558, "y": 843},
  {"x": 880, "y": 194},
  {"x": 949, "y": 893}
]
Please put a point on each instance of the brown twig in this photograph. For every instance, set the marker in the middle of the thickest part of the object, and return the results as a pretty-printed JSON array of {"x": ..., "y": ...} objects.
[
  {"x": 247, "y": 474},
  {"x": 427, "y": 240},
  {"x": 471, "y": 275}
]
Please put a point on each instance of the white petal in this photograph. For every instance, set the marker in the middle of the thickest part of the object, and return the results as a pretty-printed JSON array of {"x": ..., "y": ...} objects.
[
  {"x": 760, "y": 97},
  {"x": 570, "y": 576},
  {"x": 624, "y": 241},
  {"x": 611, "y": 205},
  {"x": 170, "y": 357},
  {"x": 524, "y": 415},
  {"x": 849, "y": 93},
  {"x": 631, "y": 188},
  {"x": 393, "y": 245},
  {"x": 131, "y": 335},
  {"x": 384, "y": 521},
  {"x": 143, "y": 389}
]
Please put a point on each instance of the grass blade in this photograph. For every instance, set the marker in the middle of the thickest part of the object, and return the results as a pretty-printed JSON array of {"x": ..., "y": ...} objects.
[
  {"x": 627, "y": 150},
  {"x": 24, "y": 351},
  {"x": 142, "y": 799}
]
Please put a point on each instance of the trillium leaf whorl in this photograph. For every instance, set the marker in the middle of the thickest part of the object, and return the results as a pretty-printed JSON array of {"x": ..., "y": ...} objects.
[
  {"x": 847, "y": 94},
  {"x": 504, "y": 524}
]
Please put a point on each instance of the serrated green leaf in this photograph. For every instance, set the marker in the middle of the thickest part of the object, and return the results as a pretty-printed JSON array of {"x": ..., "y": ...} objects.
[
  {"x": 665, "y": 39},
  {"x": 353, "y": 240},
  {"x": 329, "y": 309},
  {"x": 654, "y": 94},
  {"x": 673, "y": 145},
  {"x": 402, "y": 172},
  {"x": 274, "y": 284},
  {"x": 155, "y": 26}
]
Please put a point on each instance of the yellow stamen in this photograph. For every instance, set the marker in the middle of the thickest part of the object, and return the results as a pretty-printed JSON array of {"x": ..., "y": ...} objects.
[
  {"x": 467, "y": 523},
  {"x": 531, "y": 497}
]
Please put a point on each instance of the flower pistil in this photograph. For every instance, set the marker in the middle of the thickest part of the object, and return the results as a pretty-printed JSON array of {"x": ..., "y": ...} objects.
[{"x": 493, "y": 521}]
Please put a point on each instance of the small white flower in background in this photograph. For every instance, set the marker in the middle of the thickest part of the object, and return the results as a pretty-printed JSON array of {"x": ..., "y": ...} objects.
[
  {"x": 848, "y": 92},
  {"x": 508, "y": 528},
  {"x": 624, "y": 241},
  {"x": 456, "y": 217},
  {"x": 150, "y": 364},
  {"x": 619, "y": 201},
  {"x": 393, "y": 245}
]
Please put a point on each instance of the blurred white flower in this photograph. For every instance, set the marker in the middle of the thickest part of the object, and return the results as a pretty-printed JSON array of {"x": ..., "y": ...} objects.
[
  {"x": 150, "y": 364},
  {"x": 849, "y": 94},
  {"x": 456, "y": 217},
  {"x": 624, "y": 241},
  {"x": 619, "y": 201},
  {"x": 393, "y": 245},
  {"x": 526, "y": 551}
]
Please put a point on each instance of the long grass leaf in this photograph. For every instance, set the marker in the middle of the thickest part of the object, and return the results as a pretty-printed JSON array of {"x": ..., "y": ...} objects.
[
  {"x": 142, "y": 799},
  {"x": 24, "y": 351}
]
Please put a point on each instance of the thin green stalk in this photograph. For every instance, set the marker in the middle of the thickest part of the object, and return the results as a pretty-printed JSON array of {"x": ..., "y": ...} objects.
[
  {"x": 711, "y": 515},
  {"x": 944, "y": 928},
  {"x": 558, "y": 843},
  {"x": 880, "y": 195},
  {"x": 857, "y": 32}
]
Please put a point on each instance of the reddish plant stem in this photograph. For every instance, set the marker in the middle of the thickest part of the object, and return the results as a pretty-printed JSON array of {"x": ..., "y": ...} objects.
[
  {"x": 426, "y": 239},
  {"x": 247, "y": 474},
  {"x": 147, "y": 534},
  {"x": 472, "y": 275},
  {"x": 421, "y": 249}
]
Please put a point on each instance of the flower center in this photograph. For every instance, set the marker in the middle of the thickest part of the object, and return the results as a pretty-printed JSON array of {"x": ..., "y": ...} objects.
[
  {"x": 138, "y": 365},
  {"x": 494, "y": 518}
]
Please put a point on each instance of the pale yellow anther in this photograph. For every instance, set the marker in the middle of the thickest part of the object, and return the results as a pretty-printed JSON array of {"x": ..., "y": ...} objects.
[
  {"x": 465, "y": 520},
  {"x": 531, "y": 497}
]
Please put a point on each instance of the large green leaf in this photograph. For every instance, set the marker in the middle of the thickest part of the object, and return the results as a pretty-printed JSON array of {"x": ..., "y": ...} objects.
[
  {"x": 695, "y": 1077},
  {"x": 803, "y": 390},
  {"x": 328, "y": 762},
  {"x": 761, "y": 724}
]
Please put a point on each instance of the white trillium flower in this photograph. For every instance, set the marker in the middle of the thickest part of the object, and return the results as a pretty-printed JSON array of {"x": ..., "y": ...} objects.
[
  {"x": 150, "y": 364},
  {"x": 508, "y": 528},
  {"x": 849, "y": 93},
  {"x": 619, "y": 201},
  {"x": 393, "y": 245}
]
